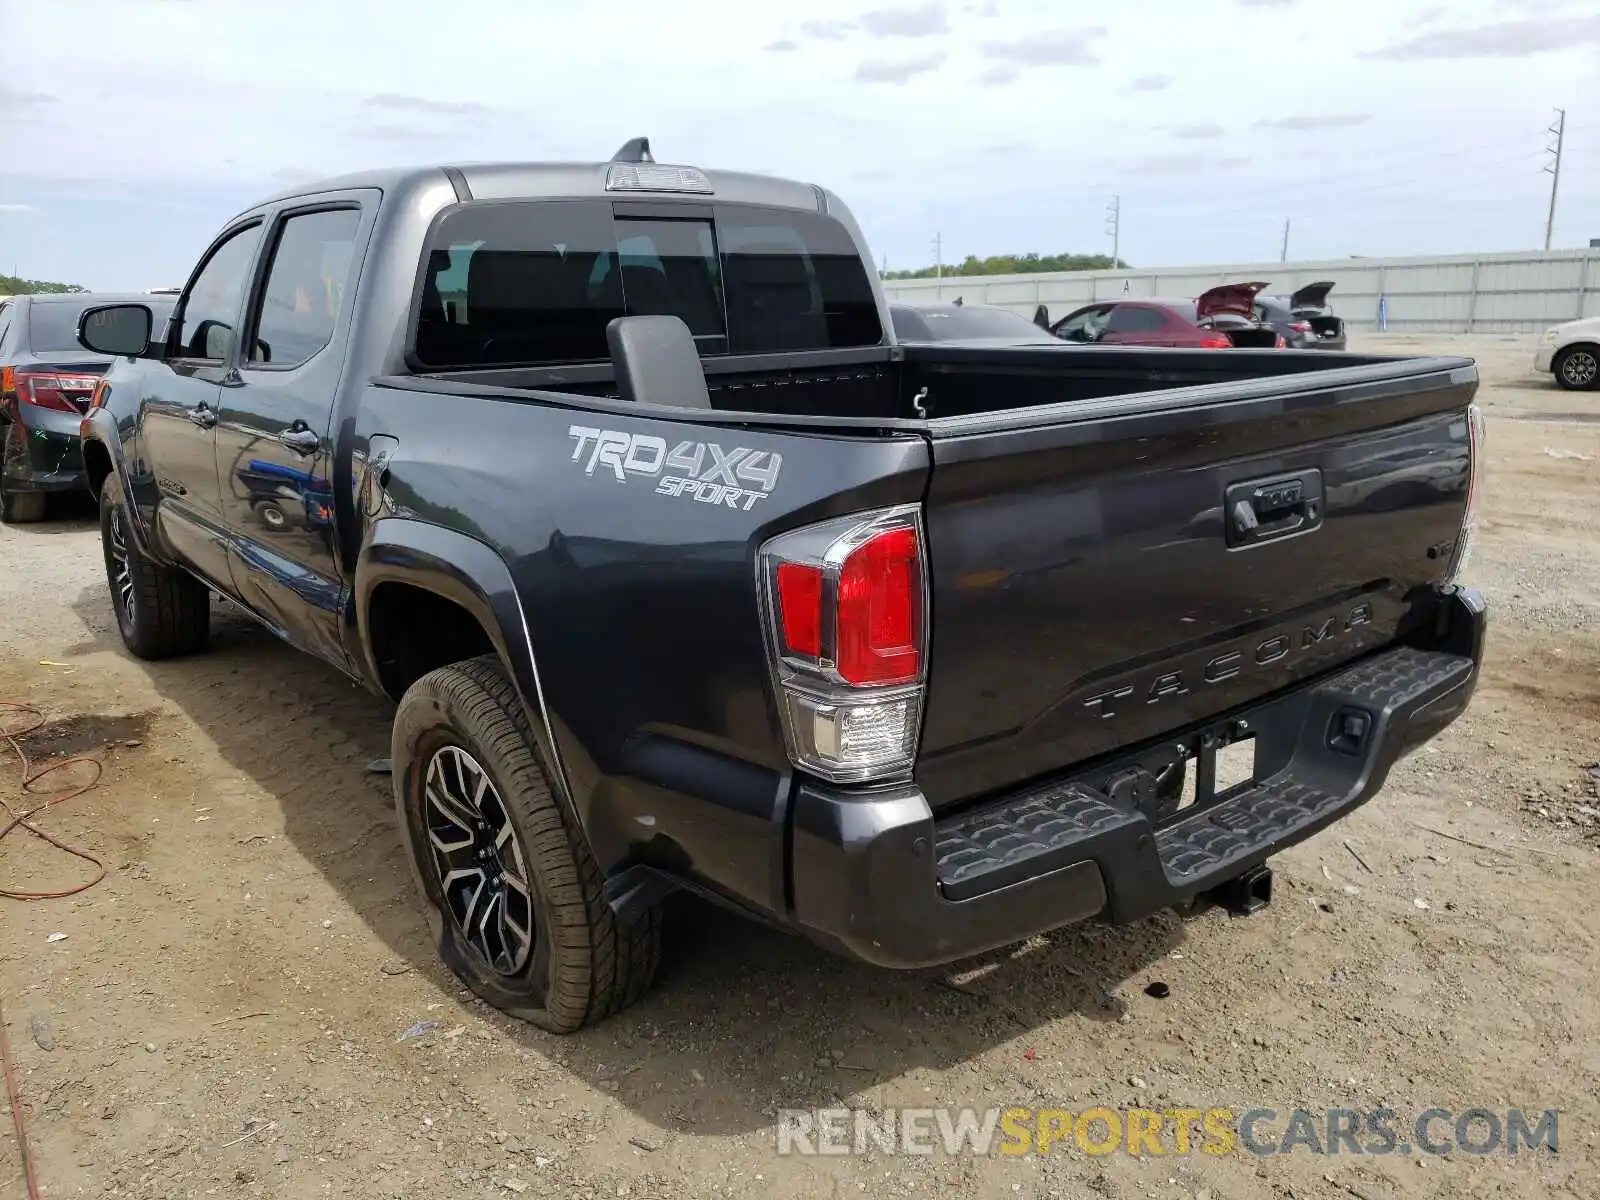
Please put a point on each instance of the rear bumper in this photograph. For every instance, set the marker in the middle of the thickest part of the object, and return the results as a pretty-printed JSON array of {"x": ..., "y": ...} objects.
[
  {"x": 881, "y": 879},
  {"x": 42, "y": 452}
]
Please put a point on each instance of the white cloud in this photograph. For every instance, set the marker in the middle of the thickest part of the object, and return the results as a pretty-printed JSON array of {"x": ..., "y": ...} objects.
[
  {"x": 21, "y": 210},
  {"x": 875, "y": 98}
]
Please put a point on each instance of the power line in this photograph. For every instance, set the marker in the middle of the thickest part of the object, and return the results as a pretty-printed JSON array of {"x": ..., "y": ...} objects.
[{"x": 1559, "y": 128}]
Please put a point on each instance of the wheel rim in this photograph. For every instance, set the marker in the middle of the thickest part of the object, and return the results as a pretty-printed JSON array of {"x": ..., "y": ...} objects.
[
  {"x": 122, "y": 589},
  {"x": 479, "y": 859},
  {"x": 273, "y": 518},
  {"x": 1580, "y": 368}
]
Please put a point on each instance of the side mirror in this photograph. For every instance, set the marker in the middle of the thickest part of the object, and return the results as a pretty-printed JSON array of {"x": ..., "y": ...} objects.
[
  {"x": 657, "y": 362},
  {"x": 1041, "y": 317},
  {"x": 121, "y": 330}
]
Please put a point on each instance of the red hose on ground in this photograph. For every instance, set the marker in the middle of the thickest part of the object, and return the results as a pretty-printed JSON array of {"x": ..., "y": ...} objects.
[
  {"x": 24, "y": 820},
  {"x": 15, "y": 1097}
]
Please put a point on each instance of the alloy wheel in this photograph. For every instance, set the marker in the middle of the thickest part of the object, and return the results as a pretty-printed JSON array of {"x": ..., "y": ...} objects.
[
  {"x": 481, "y": 866},
  {"x": 123, "y": 592},
  {"x": 1580, "y": 368}
]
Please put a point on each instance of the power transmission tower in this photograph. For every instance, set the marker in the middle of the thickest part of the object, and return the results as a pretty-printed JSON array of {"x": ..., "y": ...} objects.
[
  {"x": 1283, "y": 254},
  {"x": 1114, "y": 228},
  {"x": 1559, "y": 128}
]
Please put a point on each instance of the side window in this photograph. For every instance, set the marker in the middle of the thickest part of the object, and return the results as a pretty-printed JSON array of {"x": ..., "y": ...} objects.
[
  {"x": 305, "y": 285},
  {"x": 1128, "y": 318},
  {"x": 5, "y": 324},
  {"x": 203, "y": 327},
  {"x": 1080, "y": 324}
]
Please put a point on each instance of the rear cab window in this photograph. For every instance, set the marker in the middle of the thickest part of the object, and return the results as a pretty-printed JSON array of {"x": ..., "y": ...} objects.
[{"x": 536, "y": 282}]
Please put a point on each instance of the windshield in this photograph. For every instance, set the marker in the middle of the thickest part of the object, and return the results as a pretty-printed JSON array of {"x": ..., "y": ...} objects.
[
  {"x": 957, "y": 324},
  {"x": 53, "y": 324}
]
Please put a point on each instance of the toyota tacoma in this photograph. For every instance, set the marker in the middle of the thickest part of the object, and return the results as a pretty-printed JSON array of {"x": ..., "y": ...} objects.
[{"x": 682, "y": 574}]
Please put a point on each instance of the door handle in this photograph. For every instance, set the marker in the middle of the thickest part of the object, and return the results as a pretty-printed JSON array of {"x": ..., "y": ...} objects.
[
  {"x": 1260, "y": 510},
  {"x": 202, "y": 416},
  {"x": 300, "y": 439}
]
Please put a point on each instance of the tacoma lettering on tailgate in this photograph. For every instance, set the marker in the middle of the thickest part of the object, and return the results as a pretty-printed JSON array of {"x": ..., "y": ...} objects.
[{"x": 700, "y": 470}]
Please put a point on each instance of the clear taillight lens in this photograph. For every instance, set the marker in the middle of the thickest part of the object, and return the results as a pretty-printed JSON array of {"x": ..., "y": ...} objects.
[
  {"x": 845, "y": 607},
  {"x": 1468, "y": 536}
]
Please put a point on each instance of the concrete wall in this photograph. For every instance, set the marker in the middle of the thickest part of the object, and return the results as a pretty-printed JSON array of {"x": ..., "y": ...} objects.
[{"x": 1469, "y": 293}]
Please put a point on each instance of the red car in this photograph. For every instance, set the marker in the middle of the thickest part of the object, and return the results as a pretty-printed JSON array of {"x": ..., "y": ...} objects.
[{"x": 1222, "y": 318}]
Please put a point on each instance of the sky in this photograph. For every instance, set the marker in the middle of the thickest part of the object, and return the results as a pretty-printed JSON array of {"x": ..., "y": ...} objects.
[{"x": 130, "y": 130}]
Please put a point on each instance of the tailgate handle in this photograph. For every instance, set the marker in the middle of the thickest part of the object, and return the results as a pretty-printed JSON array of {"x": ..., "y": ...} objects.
[{"x": 1260, "y": 510}]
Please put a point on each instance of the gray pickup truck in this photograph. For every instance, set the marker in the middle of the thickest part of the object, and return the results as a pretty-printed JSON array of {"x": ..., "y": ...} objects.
[{"x": 682, "y": 574}]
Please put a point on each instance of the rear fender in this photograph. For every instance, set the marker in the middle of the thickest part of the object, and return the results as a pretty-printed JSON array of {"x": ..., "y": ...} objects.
[{"x": 469, "y": 573}]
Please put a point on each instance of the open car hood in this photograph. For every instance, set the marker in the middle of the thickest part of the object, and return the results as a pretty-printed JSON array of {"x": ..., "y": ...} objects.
[
  {"x": 1313, "y": 295},
  {"x": 1236, "y": 298}
]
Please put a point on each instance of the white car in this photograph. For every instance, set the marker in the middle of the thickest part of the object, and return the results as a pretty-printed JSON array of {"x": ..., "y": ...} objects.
[{"x": 1571, "y": 352}]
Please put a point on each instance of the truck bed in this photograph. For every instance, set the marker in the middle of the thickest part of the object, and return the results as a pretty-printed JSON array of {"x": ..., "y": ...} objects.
[
  {"x": 917, "y": 383},
  {"x": 1078, "y": 521}
]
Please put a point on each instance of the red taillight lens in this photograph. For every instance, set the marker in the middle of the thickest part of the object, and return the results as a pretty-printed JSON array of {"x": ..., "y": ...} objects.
[
  {"x": 1280, "y": 342},
  {"x": 1215, "y": 341},
  {"x": 845, "y": 613},
  {"x": 1300, "y": 326},
  {"x": 44, "y": 389},
  {"x": 880, "y": 597},
  {"x": 800, "y": 608}
]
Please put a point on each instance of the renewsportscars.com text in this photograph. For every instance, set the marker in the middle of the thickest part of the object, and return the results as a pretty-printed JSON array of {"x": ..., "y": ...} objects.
[{"x": 1169, "y": 1131}]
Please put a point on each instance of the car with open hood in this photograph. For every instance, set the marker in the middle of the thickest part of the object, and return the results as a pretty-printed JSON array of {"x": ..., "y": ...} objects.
[
  {"x": 1304, "y": 318},
  {"x": 1221, "y": 318}
]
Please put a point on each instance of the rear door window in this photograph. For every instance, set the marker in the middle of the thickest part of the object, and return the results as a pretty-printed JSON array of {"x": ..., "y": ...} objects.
[{"x": 528, "y": 283}]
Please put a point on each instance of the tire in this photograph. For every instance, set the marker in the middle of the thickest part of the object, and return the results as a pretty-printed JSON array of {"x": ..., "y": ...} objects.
[
  {"x": 580, "y": 963},
  {"x": 17, "y": 508},
  {"x": 272, "y": 516},
  {"x": 1577, "y": 368},
  {"x": 22, "y": 508},
  {"x": 161, "y": 611}
]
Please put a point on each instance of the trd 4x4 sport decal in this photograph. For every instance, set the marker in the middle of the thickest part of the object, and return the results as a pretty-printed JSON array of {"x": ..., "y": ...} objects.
[{"x": 701, "y": 470}]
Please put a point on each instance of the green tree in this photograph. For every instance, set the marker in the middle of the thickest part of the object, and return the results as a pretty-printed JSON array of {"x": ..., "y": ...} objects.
[
  {"x": 13, "y": 285},
  {"x": 1016, "y": 264}
]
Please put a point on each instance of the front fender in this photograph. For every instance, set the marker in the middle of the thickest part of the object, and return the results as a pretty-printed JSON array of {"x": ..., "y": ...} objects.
[
  {"x": 469, "y": 573},
  {"x": 100, "y": 427}
]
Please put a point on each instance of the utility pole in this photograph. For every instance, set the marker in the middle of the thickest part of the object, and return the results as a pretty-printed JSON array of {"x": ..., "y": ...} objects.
[
  {"x": 1283, "y": 254},
  {"x": 938, "y": 264},
  {"x": 1559, "y": 128},
  {"x": 1114, "y": 228}
]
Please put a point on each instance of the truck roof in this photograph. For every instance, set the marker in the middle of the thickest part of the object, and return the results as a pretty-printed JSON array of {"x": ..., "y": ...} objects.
[{"x": 573, "y": 180}]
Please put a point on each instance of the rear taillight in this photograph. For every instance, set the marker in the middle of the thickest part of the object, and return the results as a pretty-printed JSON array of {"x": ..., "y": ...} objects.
[
  {"x": 46, "y": 389},
  {"x": 1300, "y": 326},
  {"x": 1280, "y": 342},
  {"x": 1468, "y": 536},
  {"x": 1215, "y": 341},
  {"x": 845, "y": 608}
]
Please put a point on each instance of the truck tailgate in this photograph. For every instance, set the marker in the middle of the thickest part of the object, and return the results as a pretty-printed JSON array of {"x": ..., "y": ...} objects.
[{"x": 1106, "y": 572}]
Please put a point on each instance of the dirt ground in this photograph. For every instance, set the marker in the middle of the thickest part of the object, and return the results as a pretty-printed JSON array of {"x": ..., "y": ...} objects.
[{"x": 225, "y": 1010}]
